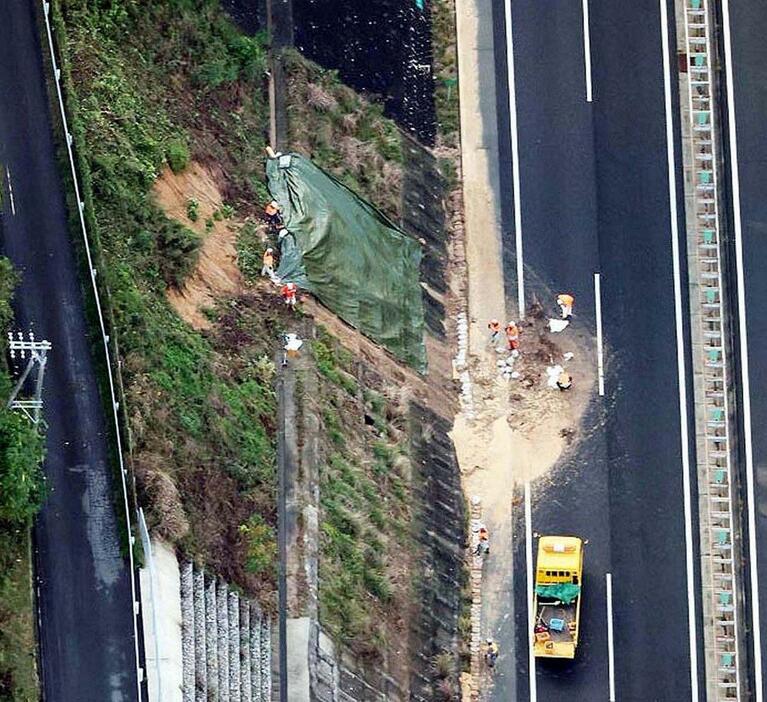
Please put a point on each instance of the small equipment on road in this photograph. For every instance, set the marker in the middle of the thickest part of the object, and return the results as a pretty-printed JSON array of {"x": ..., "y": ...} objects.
[
  {"x": 557, "y": 599},
  {"x": 491, "y": 653}
]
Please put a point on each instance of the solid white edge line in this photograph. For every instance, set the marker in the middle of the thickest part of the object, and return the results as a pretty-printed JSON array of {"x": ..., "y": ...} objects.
[
  {"x": 610, "y": 640},
  {"x": 530, "y": 613},
  {"x": 515, "y": 163},
  {"x": 681, "y": 365},
  {"x": 10, "y": 191},
  {"x": 587, "y": 49},
  {"x": 744, "y": 370},
  {"x": 600, "y": 358}
]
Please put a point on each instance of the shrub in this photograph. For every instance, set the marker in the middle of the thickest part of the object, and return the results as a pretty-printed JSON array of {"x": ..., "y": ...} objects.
[
  {"x": 260, "y": 543},
  {"x": 21, "y": 453},
  {"x": 192, "y": 210},
  {"x": 8, "y": 280},
  {"x": 177, "y": 155},
  {"x": 179, "y": 250}
]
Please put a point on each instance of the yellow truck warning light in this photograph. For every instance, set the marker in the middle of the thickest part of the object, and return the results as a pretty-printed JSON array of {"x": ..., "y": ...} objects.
[{"x": 557, "y": 600}]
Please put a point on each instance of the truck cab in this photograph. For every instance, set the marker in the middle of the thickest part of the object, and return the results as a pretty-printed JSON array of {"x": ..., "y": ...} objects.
[{"x": 557, "y": 600}]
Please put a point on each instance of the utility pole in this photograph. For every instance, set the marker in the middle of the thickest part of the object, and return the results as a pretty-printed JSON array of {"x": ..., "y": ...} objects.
[{"x": 36, "y": 355}]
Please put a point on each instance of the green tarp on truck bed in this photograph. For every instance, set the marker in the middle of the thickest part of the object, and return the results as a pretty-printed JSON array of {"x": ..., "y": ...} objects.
[
  {"x": 564, "y": 592},
  {"x": 350, "y": 256}
]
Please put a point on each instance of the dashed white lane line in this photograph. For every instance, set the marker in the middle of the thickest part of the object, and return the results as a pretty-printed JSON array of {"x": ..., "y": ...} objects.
[
  {"x": 600, "y": 355},
  {"x": 10, "y": 191},
  {"x": 680, "y": 352},
  {"x": 530, "y": 612},
  {"x": 744, "y": 370},
  {"x": 610, "y": 641},
  {"x": 587, "y": 49},
  {"x": 515, "y": 162}
]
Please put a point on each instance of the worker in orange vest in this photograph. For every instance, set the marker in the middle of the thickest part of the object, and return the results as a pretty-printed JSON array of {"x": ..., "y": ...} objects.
[
  {"x": 288, "y": 292},
  {"x": 268, "y": 263},
  {"x": 512, "y": 336},
  {"x": 495, "y": 330},
  {"x": 483, "y": 543},
  {"x": 565, "y": 302}
]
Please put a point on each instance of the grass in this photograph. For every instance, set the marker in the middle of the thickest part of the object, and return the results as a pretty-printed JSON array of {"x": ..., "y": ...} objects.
[
  {"x": 344, "y": 133},
  {"x": 18, "y": 648},
  {"x": 445, "y": 73},
  {"x": 149, "y": 87},
  {"x": 365, "y": 513},
  {"x": 21, "y": 452}
]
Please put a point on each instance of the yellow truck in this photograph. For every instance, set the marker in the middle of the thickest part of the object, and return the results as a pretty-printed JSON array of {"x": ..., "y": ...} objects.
[{"x": 557, "y": 600}]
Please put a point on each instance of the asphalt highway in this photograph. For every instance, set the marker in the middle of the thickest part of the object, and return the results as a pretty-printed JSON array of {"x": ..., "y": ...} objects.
[
  {"x": 746, "y": 87},
  {"x": 83, "y": 582},
  {"x": 594, "y": 197}
]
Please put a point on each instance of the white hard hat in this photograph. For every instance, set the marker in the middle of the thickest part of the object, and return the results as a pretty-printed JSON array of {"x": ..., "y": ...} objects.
[
  {"x": 511, "y": 323},
  {"x": 489, "y": 640}
]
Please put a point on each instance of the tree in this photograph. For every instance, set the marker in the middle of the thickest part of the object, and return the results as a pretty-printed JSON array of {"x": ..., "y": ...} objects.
[{"x": 22, "y": 447}]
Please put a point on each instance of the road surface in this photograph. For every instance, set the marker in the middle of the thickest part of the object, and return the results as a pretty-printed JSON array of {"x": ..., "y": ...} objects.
[
  {"x": 594, "y": 198},
  {"x": 87, "y": 640}
]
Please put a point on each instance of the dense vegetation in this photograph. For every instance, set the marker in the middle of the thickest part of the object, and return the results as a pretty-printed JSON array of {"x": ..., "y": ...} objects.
[
  {"x": 344, "y": 133},
  {"x": 21, "y": 494},
  {"x": 365, "y": 508},
  {"x": 151, "y": 85}
]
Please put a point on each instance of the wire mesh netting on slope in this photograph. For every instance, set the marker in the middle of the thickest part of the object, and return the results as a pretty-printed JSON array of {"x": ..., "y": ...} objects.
[{"x": 350, "y": 256}]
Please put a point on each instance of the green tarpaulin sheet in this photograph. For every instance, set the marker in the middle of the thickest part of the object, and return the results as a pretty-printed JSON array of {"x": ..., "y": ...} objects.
[
  {"x": 564, "y": 592},
  {"x": 350, "y": 256}
]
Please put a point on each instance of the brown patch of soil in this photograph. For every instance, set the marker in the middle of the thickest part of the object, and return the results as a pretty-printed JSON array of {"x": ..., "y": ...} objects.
[
  {"x": 434, "y": 390},
  {"x": 216, "y": 274}
]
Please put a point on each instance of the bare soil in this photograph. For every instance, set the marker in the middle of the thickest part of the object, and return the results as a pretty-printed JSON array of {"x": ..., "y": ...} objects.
[{"x": 216, "y": 274}]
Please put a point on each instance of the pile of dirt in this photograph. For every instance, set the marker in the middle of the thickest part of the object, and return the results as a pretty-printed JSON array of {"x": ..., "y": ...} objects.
[
  {"x": 522, "y": 424},
  {"x": 196, "y": 189}
]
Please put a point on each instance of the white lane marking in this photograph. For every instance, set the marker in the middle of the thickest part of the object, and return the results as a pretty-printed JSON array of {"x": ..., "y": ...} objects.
[
  {"x": 610, "y": 641},
  {"x": 10, "y": 191},
  {"x": 756, "y": 632},
  {"x": 587, "y": 49},
  {"x": 600, "y": 357},
  {"x": 681, "y": 364},
  {"x": 530, "y": 612},
  {"x": 515, "y": 163}
]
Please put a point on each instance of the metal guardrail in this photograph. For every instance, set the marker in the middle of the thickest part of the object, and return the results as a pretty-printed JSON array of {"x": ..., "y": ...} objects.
[
  {"x": 715, "y": 473},
  {"x": 104, "y": 337}
]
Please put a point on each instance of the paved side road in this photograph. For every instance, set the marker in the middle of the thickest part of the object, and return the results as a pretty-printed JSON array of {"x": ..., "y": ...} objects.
[{"x": 87, "y": 646}]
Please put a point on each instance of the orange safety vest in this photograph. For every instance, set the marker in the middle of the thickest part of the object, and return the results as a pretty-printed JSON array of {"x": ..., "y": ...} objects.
[
  {"x": 494, "y": 327},
  {"x": 271, "y": 210},
  {"x": 566, "y": 300},
  {"x": 269, "y": 259},
  {"x": 512, "y": 332}
]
